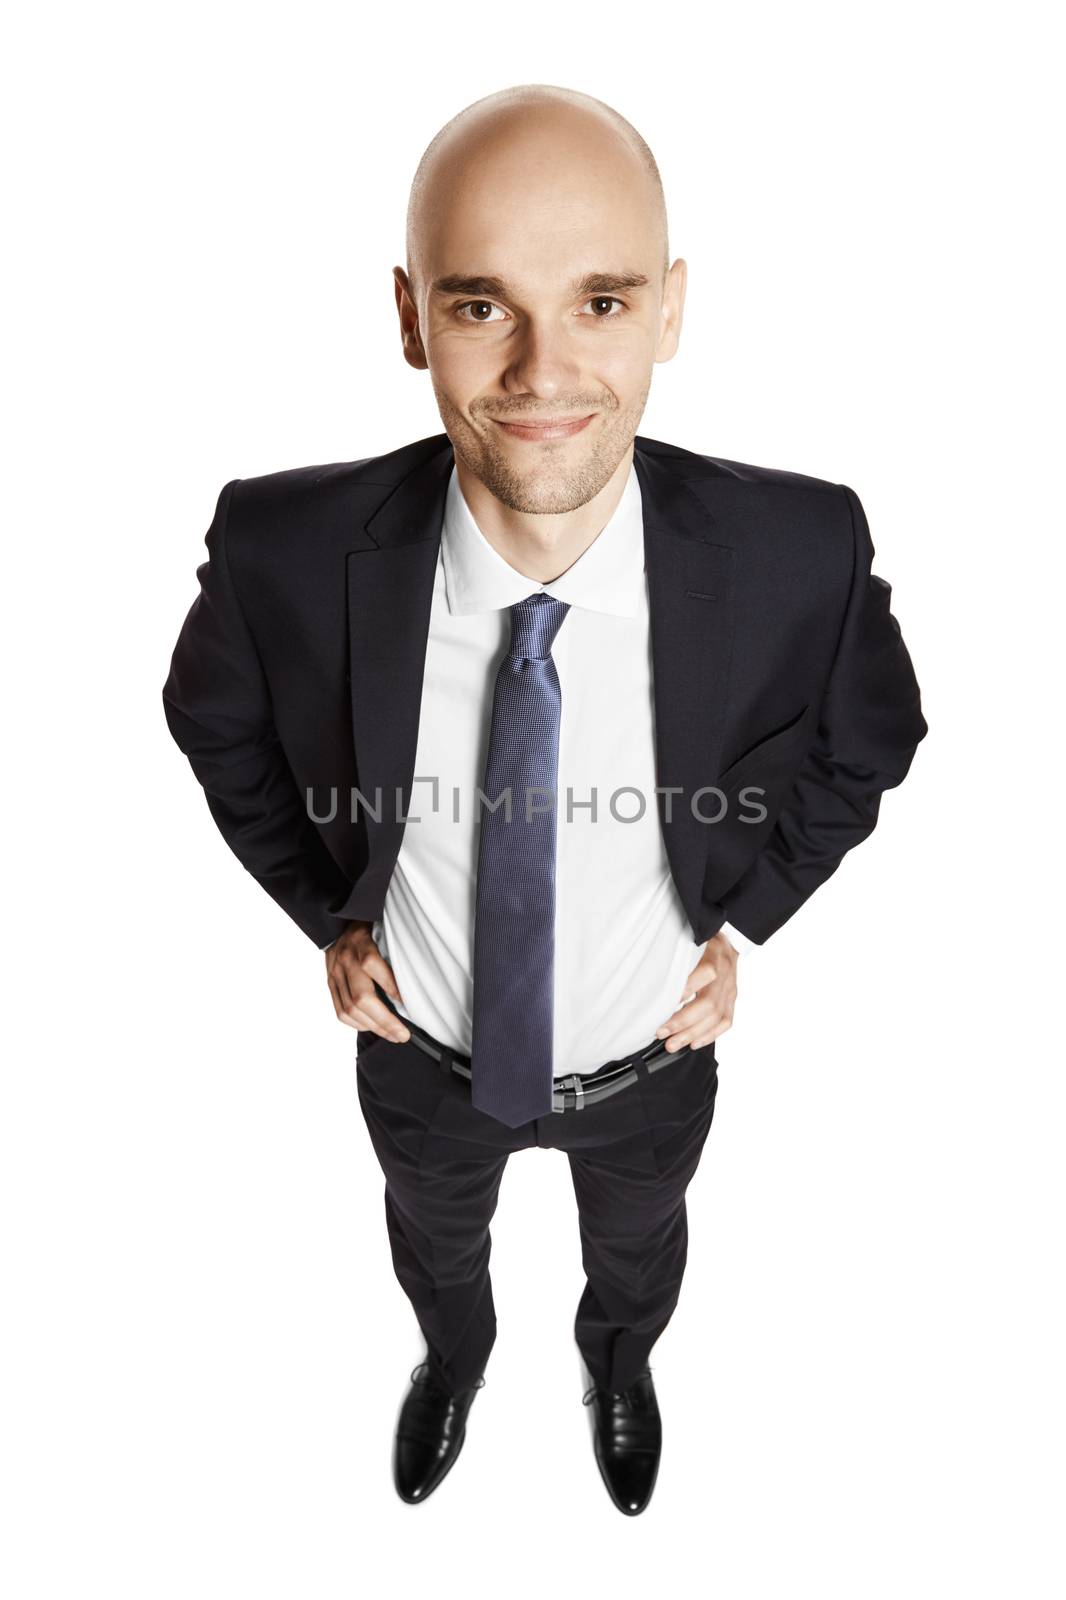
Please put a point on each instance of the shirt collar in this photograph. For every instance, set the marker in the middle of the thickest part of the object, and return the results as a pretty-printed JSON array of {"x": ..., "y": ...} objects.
[{"x": 608, "y": 576}]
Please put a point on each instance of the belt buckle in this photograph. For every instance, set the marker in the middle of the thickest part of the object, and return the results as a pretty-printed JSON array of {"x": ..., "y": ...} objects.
[{"x": 569, "y": 1085}]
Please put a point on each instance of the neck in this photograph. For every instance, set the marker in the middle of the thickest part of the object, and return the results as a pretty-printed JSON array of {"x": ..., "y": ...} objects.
[{"x": 542, "y": 546}]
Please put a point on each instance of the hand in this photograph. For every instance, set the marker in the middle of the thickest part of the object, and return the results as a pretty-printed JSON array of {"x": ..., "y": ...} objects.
[
  {"x": 353, "y": 962},
  {"x": 712, "y": 986}
]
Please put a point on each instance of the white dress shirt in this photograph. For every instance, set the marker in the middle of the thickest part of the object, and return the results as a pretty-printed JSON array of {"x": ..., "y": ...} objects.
[{"x": 623, "y": 944}]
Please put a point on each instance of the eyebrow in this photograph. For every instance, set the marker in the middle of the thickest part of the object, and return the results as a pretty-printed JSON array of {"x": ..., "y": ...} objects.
[{"x": 496, "y": 289}]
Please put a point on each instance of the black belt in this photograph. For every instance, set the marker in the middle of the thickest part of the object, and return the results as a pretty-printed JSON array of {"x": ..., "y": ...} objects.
[{"x": 570, "y": 1093}]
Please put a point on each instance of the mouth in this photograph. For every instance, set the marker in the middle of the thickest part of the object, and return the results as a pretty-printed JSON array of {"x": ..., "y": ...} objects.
[{"x": 535, "y": 432}]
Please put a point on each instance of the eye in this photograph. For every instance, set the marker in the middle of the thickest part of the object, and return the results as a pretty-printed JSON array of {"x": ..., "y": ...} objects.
[
  {"x": 489, "y": 306},
  {"x": 481, "y": 305}
]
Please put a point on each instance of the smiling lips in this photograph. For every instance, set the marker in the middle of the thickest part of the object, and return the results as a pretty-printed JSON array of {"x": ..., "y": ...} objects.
[{"x": 544, "y": 430}]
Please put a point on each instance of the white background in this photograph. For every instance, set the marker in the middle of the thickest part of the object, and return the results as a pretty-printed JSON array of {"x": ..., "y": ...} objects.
[{"x": 862, "y": 1386}]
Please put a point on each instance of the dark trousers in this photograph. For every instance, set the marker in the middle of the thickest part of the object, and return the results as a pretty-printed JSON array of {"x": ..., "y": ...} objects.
[{"x": 631, "y": 1158}]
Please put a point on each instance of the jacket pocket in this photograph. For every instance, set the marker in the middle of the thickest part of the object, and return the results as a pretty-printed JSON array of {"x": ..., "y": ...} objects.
[
  {"x": 745, "y": 822},
  {"x": 768, "y": 752}
]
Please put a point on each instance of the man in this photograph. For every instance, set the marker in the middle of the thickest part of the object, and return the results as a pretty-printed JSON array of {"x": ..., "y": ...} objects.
[{"x": 516, "y": 720}]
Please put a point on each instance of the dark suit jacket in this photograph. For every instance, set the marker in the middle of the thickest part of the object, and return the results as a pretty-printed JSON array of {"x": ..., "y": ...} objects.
[{"x": 296, "y": 677}]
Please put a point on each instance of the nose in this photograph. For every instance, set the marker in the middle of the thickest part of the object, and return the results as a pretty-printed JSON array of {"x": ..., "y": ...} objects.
[{"x": 544, "y": 361}]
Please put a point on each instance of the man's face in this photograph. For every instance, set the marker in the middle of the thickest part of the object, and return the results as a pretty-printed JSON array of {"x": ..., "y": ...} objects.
[{"x": 529, "y": 309}]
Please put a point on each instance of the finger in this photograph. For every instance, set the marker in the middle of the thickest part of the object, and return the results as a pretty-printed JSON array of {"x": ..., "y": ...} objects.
[
  {"x": 688, "y": 1016},
  {"x": 353, "y": 1018},
  {"x": 676, "y": 1041},
  {"x": 701, "y": 975},
  {"x": 701, "y": 1041},
  {"x": 343, "y": 1004},
  {"x": 375, "y": 966},
  {"x": 696, "y": 1030},
  {"x": 338, "y": 981},
  {"x": 376, "y": 1017},
  {"x": 358, "y": 1006}
]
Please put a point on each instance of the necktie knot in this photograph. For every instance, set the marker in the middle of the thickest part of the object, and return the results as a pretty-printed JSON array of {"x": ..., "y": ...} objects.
[{"x": 535, "y": 623}]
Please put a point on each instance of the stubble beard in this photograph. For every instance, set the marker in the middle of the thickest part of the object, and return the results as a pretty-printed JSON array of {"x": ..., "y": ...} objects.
[{"x": 554, "y": 482}]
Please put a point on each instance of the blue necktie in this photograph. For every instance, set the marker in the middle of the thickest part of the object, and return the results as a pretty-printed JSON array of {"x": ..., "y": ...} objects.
[{"x": 514, "y": 919}]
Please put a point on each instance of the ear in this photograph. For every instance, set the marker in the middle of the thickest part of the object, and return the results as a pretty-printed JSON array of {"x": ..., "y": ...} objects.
[
  {"x": 672, "y": 311},
  {"x": 413, "y": 350}
]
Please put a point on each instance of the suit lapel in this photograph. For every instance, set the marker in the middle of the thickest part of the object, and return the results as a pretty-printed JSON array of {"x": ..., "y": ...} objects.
[
  {"x": 390, "y": 594},
  {"x": 390, "y": 575}
]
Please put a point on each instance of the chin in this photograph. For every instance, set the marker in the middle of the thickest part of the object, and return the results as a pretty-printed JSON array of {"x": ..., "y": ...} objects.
[{"x": 548, "y": 490}]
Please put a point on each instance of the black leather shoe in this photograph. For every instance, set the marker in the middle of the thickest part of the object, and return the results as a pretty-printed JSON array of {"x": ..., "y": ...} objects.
[
  {"x": 627, "y": 1440},
  {"x": 429, "y": 1435}
]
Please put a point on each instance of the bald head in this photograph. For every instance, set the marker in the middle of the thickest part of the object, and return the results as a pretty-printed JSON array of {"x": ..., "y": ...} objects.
[
  {"x": 539, "y": 294},
  {"x": 541, "y": 136}
]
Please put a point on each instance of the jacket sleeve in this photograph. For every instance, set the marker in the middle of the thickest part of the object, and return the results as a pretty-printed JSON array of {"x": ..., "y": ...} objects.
[
  {"x": 869, "y": 728},
  {"x": 218, "y": 707}
]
